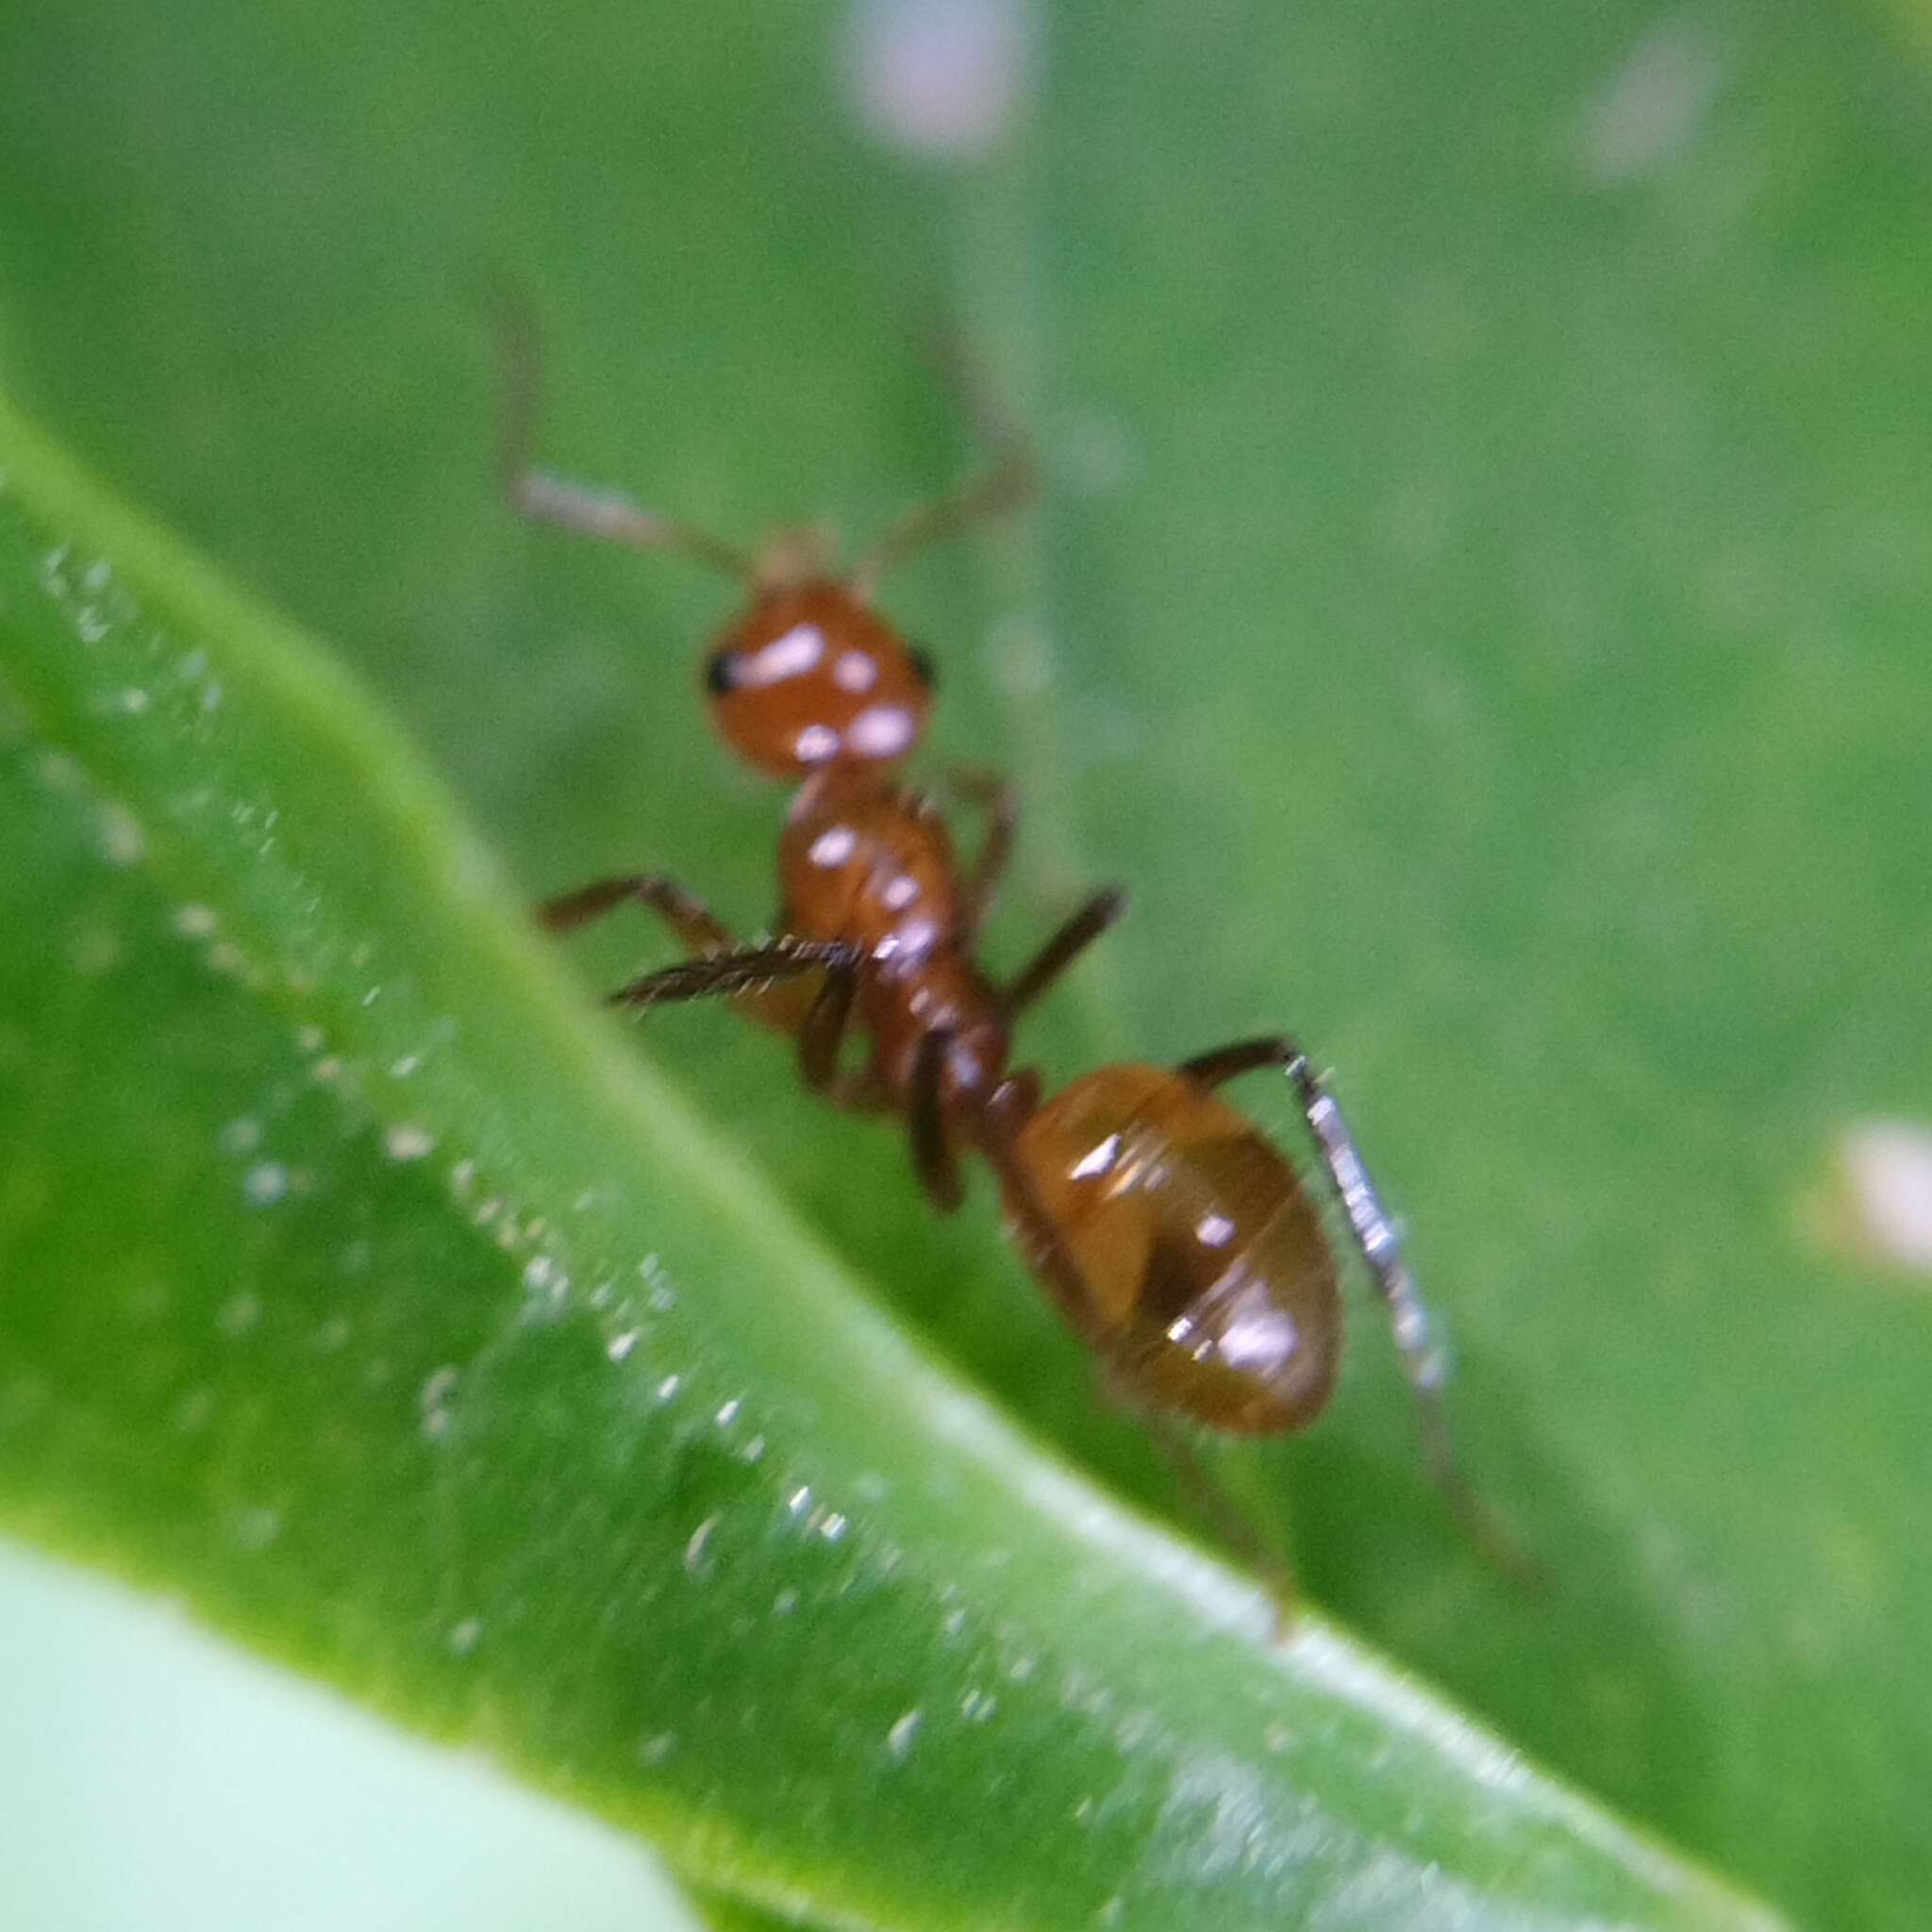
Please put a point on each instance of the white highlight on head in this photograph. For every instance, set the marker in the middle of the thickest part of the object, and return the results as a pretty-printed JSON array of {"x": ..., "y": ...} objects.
[
  {"x": 882, "y": 731},
  {"x": 854, "y": 671},
  {"x": 1214, "y": 1231},
  {"x": 815, "y": 745},
  {"x": 790, "y": 654},
  {"x": 942, "y": 78},
  {"x": 899, "y": 891}
]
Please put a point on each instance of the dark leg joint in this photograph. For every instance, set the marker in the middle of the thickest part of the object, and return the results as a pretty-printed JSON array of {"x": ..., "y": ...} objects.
[
  {"x": 823, "y": 1032},
  {"x": 994, "y": 797},
  {"x": 569, "y": 910},
  {"x": 1227, "y": 1063},
  {"x": 933, "y": 1159}
]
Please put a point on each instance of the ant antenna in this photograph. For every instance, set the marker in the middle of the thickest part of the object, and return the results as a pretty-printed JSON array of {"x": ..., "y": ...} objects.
[
  {"x": 543, "y": 496},
  {"x": 1010, "y": 479}
]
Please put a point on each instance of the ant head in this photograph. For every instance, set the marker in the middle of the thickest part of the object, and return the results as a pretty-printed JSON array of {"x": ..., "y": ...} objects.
[{"x": 810, "y": 675}]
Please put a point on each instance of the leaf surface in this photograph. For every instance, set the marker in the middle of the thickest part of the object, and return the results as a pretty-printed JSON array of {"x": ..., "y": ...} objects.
[{"x": 1478, "y": 607}]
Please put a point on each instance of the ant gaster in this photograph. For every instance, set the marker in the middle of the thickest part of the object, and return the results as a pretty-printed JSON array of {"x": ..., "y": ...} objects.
[{"x": 1172, "y": 1235}]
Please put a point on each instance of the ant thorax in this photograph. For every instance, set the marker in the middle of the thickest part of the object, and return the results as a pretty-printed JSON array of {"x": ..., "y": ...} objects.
[
  {"x": 871, "y": 865},
  {"x": 868, "y": 862}
]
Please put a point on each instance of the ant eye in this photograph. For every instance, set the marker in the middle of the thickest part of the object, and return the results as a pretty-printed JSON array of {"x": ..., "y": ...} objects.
[
  {"x": 922, "y": 667},
  {"x": 719, "y": 675}
]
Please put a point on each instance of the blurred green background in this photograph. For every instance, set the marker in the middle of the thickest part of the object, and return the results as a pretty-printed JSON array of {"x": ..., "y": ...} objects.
[{"x": 1479, "y": 605}]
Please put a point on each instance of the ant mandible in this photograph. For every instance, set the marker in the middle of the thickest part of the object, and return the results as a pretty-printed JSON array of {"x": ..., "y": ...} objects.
[{"x": 1174, "y": 1240}]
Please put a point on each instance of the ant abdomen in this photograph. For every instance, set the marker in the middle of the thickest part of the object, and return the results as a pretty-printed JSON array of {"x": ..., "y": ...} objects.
[
  {"x": 1208, "y": 1284},
  {"x": 811, "y": 676}
]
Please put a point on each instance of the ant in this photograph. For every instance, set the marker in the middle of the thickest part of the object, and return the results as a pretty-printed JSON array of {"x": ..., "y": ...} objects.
[{"x": 1173, "y": 1238}]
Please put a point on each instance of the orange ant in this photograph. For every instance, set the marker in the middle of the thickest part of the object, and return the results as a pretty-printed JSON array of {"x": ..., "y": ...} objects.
[{"x": 1173, "y": 1238}]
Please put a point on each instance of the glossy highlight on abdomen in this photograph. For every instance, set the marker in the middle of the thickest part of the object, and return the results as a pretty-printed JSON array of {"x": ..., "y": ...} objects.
[{"x": 1212, "y": 1288}]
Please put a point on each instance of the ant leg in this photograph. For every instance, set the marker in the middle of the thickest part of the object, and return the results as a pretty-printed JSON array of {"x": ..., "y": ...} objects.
[
  {"x": 824, "y": 1031},
  {"x": 1062, "y": 949},
  {"x": 1227, "y": 1063},
  {"x": 544, "y": 497},
  {"x": 749, "y": 970},
  {"x": 994, "y": 797},
  {"x": 1210, "y": 1500},
  {"x": 685, "y": 913},
  {"x": 1424, "y": 1362},
  {"x": 933, "y": 1159},
  {"x": 1375, "y": 1233},
  {"x": 778, "y": 1009},
  {"x": 1010, "y": 479}
]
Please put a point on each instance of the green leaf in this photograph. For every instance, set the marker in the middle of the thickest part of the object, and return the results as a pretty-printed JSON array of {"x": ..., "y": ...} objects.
[
  {"x": 360, "y": 1290},
  {"x": 1479, "y": 606}
]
